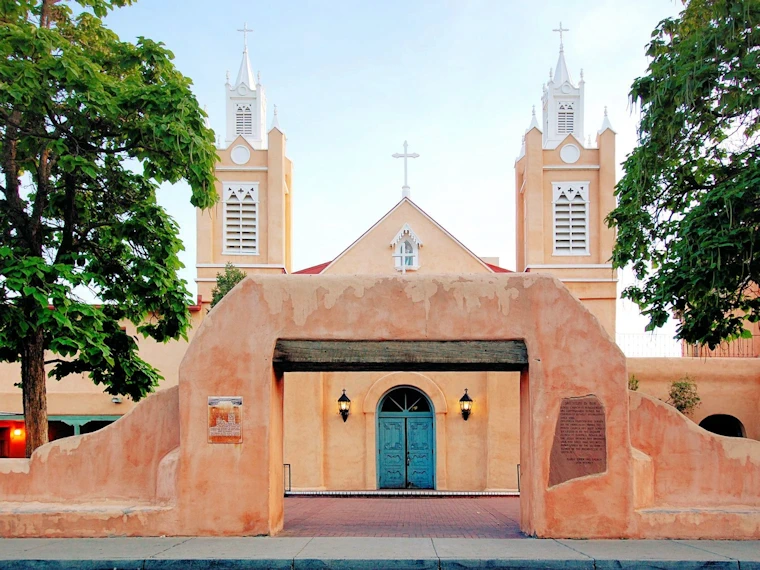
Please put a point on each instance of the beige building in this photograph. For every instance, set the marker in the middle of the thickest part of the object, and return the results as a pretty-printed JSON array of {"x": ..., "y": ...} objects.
[{"x": 404, "y": 429}]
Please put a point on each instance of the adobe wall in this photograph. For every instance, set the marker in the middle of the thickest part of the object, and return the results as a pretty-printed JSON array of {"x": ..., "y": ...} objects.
[
  {"x": 726, "y": 385},
  {"x": 696, "y": 484},
  {"x": 538, "y": 309}
]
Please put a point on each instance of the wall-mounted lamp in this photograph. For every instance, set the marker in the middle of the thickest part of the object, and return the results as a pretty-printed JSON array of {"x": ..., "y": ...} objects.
[
  {"x": 18, "y": 432},
  {"x": 116, "y": 400},
  {"x": 465, "y": 404},
  {"x": 344, "y": 406}
]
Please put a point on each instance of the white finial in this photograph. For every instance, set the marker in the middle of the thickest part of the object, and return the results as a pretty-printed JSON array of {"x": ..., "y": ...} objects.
[
  {"x": 533, "y": 121},
  {"x": 275, "y": 120},
  {"x": 581, "y": 74},
  {"x": 551, "y": 75},
  {"x": 560, "y": 30},
  {"x": 228, "y": 77},
  {"x": 245, "y": 31},
  {"x": 405, "y": 193},
  {"x": 206, "y": 122},
  {"x": 258, "y": 78},
  {"x": 606, "y": 122},
  {"x": 588, "y": 141}
]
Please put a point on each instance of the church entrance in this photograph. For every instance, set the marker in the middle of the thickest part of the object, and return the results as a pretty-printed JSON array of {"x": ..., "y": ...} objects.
[{"x": 405, "y": 440}]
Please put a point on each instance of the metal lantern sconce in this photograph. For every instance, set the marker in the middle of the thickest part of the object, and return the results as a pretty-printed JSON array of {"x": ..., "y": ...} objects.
[
  {"x": 344, "y": 406},
  {"x": 465, "y": 404}
]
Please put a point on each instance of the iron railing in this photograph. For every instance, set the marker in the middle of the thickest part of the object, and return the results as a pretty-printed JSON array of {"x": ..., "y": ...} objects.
[{"x": 662, "y": 345}]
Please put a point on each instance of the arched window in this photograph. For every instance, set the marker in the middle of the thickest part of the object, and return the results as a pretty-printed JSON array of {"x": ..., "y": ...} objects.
[
  {"x": 243, "y": 120},
  {"x": 405, "y": 399},
  {"x": 406, "y": 250},
  {"x": 723, "y": 424},
  {"x": 565, "y": 117}
]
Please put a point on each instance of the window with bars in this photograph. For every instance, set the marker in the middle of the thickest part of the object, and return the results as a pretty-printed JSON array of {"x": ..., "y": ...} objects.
[
  {"x": 241, "y": 219},
  {"x": 243, "y": 120},
  {"x": 571, "y": 218},
  {"x": 565, "y": 118}
]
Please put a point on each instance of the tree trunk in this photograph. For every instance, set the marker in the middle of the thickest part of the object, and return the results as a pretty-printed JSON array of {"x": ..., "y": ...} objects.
[{"x": 34, "y": 390}]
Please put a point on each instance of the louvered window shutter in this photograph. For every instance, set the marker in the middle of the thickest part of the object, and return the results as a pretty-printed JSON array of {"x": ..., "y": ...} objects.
[
  {"x": 241, "y": 218},
  {"x": 571, "y": 219}
]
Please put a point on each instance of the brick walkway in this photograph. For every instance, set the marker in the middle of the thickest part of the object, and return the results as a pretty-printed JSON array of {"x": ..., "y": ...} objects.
[{"x": 475, "y": 517}]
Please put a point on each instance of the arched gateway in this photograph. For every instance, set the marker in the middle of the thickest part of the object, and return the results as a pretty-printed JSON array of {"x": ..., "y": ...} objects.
[{"x": 205, "y": 459}]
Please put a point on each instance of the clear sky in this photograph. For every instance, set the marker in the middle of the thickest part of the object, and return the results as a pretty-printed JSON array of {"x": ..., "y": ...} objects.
[{"x": 353, "y": 79}]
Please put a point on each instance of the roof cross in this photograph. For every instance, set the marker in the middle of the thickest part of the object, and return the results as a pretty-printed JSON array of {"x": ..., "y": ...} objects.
[
  {"x": 405, "y": 155},
  {"x": 560, "y": 30},
  {"x": 245, "y": 31}
]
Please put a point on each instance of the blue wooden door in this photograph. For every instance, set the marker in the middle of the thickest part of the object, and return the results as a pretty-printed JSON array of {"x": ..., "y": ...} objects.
[
  {"x": 392, "y": 453},
  {"x": 419, "y": 449}
]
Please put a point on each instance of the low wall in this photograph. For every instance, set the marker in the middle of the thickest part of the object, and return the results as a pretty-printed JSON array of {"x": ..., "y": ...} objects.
[
  {"x": 119, "y": 462},
  {"x": 726, "y": 385},
  {"x": 693, "y": 467}
]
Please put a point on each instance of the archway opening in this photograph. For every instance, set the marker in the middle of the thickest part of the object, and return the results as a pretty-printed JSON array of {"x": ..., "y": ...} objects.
[
  {"x": 405, "y": 440},
  {"x": 723, "y": 424}
]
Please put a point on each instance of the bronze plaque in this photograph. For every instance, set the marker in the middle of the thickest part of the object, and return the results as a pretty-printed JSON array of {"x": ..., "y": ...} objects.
[
  {"x": 580, "y": 440},
  {"x": 225, "y": 419}
]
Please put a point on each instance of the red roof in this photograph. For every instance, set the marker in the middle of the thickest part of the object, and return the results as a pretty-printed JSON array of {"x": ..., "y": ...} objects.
[
  {"x": 316, "y": 269},
  {"x": 497, "y": 269}
]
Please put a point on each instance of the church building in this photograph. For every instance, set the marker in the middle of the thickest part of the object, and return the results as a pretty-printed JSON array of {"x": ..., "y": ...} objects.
[{"x": 449, "y": 431}]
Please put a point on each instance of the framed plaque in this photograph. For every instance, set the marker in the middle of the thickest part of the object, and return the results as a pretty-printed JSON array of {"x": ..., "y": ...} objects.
[{"x": 225, "y": 419}]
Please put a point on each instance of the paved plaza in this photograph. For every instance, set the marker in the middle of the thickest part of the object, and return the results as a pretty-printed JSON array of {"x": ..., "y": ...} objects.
[{"x": 460, "y": 517}]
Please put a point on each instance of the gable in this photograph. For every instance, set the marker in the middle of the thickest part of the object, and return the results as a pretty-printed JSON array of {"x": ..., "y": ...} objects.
[{"x": 439, "y": 251}]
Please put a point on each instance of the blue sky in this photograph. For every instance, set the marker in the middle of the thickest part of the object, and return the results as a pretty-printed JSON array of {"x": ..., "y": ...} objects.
[{"x": 352, "y": 80}]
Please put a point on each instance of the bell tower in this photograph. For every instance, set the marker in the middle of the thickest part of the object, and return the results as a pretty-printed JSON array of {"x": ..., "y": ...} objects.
[
  {"x": 246, "y": 103},
  {"x": 564, "y": 189},
  {"x": 250, "y": 226}
]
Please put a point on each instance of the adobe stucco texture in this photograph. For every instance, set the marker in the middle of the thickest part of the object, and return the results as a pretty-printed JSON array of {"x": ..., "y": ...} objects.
[{"x": 205, "y": 489}]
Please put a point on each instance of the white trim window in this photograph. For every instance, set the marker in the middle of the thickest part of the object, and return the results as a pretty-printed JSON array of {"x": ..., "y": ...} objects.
[
  {"x": 570, "y": 205},
  {"x": 241, "y": 218},
  {"x": 565, "y": 117},
  {"x": 406, "y": 247},
  {"x": 243, "y": 119}
]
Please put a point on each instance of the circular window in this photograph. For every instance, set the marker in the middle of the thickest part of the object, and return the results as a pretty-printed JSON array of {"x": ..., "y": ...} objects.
[
  {"x": 240, "y": 154},
  {"x": 565, "y": 88},
  {"x": 570, "y": 153}
]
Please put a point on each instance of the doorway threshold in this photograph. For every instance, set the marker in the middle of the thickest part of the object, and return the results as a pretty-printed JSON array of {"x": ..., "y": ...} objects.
[{"x": 385, "y": 493}]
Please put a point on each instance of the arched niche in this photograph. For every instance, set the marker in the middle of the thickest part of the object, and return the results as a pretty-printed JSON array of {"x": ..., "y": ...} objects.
[{"x": 724, "y": 424}]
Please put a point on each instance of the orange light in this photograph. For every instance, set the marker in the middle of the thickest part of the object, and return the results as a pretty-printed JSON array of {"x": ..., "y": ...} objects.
[{"x": 18, "y": 432}]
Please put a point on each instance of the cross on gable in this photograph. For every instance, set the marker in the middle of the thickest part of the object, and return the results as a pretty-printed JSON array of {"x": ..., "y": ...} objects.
[{"x": 405, "y": 155}]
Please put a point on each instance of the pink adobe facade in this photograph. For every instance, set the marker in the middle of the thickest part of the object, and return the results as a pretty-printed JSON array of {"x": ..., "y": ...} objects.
[{"x": 655, "y": 484}]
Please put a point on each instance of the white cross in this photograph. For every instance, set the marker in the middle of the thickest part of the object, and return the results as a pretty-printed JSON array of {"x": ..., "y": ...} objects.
[
  {"x": 405, "y": 155},
  {"x": 245, "y": 31},
  {"x": 560, "y": 30}
]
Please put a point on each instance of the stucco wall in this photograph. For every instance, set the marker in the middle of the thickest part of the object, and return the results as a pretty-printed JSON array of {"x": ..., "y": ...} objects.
[
  {"x": 726, "y": 385},
  {"x": 119, "y": 462}
]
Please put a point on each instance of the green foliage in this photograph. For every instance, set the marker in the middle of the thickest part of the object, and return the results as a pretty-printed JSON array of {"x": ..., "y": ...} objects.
[
  {"x": 89, "y": 128},
  {"x": 683, "y": 395},
  {"x": 688, "y": 215},
  {"x": 633, "y": 383},
  {"x": 225, "y": 282}
]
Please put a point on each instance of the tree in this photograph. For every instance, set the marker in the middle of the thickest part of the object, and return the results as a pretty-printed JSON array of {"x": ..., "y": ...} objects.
[
  {"x": 225, "y": 282},
  {"x": 688, "y": 215},
  {"x": 89, "y": 127}
]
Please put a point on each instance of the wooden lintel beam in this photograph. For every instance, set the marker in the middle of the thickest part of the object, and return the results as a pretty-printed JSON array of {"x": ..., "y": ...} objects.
[{"x": 409, "y": 355}]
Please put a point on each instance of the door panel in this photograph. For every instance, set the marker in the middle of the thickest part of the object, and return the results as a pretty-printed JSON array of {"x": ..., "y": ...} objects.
[
  {"x": 392, "y": 453},
  {"x": 419, "y": 436}
]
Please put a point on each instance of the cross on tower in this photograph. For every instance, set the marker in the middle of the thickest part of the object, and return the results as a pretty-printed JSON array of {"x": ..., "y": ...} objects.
[
  {"x": 245, "y": 31},
  {"x": 560, "y": 30},
  {"x": 405, "y": 155}
]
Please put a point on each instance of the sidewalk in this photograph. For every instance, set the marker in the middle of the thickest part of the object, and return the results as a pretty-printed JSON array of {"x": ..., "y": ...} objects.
[{"x": 372, "y": 554}]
